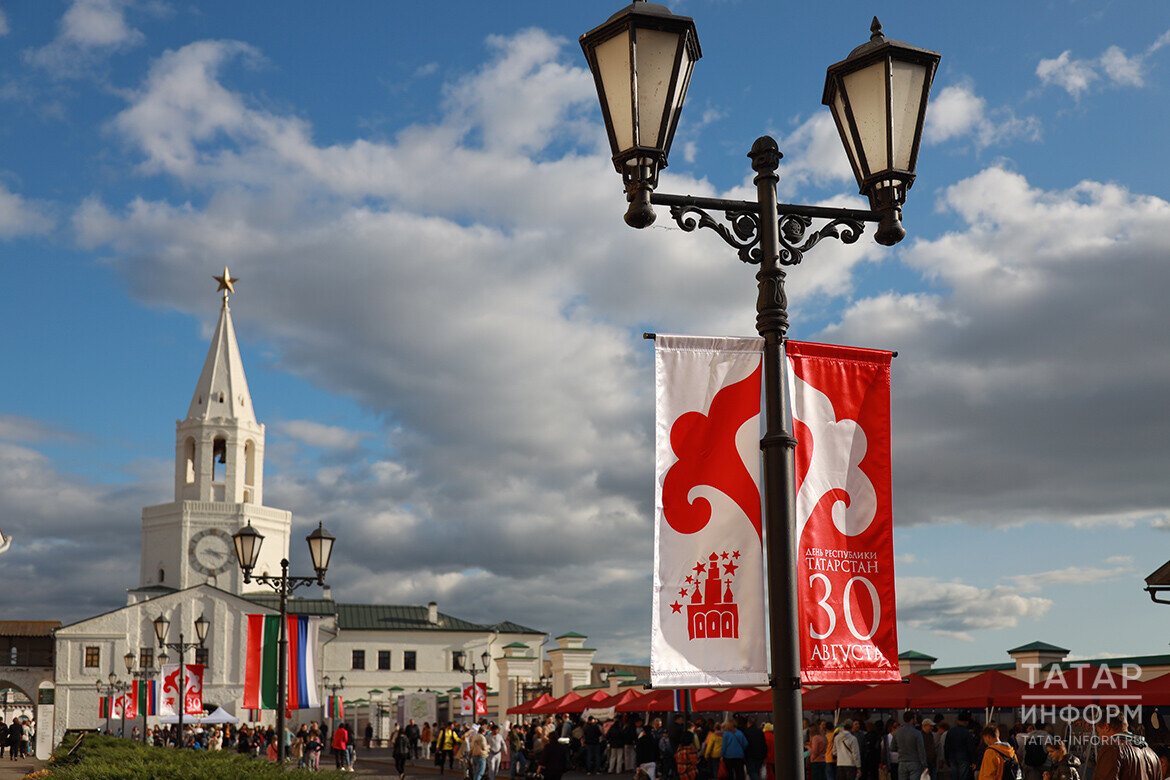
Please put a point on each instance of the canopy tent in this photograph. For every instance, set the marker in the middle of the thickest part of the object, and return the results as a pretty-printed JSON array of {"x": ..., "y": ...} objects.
[
  {"x": 582, "y": 703},
  {"x": 727, "y": 699},
  {"x": 1080, "y": 685},
  {"x": 828, "y": 697},
  {"x": 527, "y": 707},
  {"x": 1155, "y": 691},
  {"x": 989, "y": 689},
  {"x": 219, "y": 716},
  {"x": 618, "y": 700},
  {"x": 890, "y": 696},
  {"x": 548, "y": 708}
]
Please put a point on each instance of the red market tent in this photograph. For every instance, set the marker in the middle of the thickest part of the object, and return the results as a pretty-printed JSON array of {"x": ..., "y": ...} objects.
[
  {"x": 828, "y": 697},
  {"x": 548, "y": 708},
  {"x": 727, "y": 699},
  {"x": 890, "y": 696},
  {"x": 662, "y": 700},
  {"x": 757, "y": 702},
  {"x": 1079, "y": 686},
  {"x": 618, "y": 700},
  {"x": 583, "y": 703},
  {"x": 989, "y": 689},
  {"x": 527, "y": 707},
  {"x": 1155, "y": 691}
]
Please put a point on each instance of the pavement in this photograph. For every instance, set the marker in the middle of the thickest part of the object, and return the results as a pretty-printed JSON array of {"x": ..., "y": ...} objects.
[{"x": 13, "y": 770}]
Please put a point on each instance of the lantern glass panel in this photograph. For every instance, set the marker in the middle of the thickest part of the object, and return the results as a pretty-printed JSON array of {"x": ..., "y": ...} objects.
[
  {"x": 906, "y": 91},
  {"x": 613, "y": 65},
  {"x": 866, "y": 91},
  {"x": 656, "y": 51},
  {"x": 843, "y": 121}
]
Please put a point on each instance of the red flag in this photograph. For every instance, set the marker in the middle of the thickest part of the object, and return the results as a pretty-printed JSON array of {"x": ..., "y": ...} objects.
[{"x": 844, "y": 516}]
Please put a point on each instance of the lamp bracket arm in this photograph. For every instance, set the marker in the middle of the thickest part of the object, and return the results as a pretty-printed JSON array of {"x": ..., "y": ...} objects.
[
  {"x": 1153, "y": 591},
  {"x": 742, "y": 235}
]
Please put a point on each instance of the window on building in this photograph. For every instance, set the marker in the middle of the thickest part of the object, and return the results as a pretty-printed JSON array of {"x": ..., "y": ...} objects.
[
  {"x": 201, "y": 655},
  {"x": 359, "y": 659},
  {"x": 383, "y": 659},
  {"x": 408, "y": 660},
  {"x": 93, "y": 657},
  {"x": 146, "y": 658},
  {"x": 457, "y": 661}
]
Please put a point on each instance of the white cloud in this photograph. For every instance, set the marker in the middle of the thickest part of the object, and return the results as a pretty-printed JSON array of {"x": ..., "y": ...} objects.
[
  {"x": 3, "y": 23},
  {"x": 956, "y": 610},
  {"x": 329, "y": 437},
  {"x": 88, "y": 31},
  {"x": 1075, "y": 575},
  {"x": 957, "y": 112},
  {"x": 1114, "y": 67},
  {"x": 19, "y": 217}
]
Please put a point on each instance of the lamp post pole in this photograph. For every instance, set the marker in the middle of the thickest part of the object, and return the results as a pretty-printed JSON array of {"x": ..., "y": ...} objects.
[
  {"x": 161, "y": 624},
  {"x": 485, "y": 658},
  {"x": 333, "y": 691},
  {"x": 642, "y": 58},
  {"x": 247, "y": 547},
  {"x": 142, "y": 675},
  {"x": 114, "y": 686}
]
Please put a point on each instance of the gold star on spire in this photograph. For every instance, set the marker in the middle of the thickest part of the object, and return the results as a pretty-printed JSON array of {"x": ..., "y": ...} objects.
[{"x": 226, "y": 282}]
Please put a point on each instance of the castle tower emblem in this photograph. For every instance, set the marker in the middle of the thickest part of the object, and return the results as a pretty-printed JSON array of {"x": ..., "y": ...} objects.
[{"x": 711, "y": 612}]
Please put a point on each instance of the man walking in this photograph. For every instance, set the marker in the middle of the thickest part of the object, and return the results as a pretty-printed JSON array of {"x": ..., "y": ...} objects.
[
  {"x": 911, "y": 749},
  {"x": 412, "y": 735},
  {"x": 848, "y": 751},
  {"x": 959, "y": 749}
]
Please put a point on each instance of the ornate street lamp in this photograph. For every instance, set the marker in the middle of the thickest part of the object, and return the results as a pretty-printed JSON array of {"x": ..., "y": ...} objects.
[
  {"x": 143, "y": 674},
  {"x": 114, "y": 686},
  {"x": 161, "y": 625},
  {"x": 246, "y": 542},
  {"x": 642, "y": 59},
  {"x": 485, "y": 658},
  {"x": 328, "y": 685}
]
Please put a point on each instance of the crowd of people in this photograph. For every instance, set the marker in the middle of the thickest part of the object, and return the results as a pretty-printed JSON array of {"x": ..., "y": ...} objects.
[
  {"x": 916, "y": 748},
  {"x": 17, "y": 737}
]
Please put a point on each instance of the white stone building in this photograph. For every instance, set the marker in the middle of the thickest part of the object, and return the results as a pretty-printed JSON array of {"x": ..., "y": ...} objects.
[{"x": 188, "y": 569}]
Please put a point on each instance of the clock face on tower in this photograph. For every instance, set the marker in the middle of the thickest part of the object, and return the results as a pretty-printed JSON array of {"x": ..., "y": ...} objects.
[{"x": 210, "y": 552}]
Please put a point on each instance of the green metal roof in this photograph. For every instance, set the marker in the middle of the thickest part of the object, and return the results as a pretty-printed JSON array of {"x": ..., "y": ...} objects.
[
  {"x": 621, "y": 673},
  {"x": 1041, "y": 647},
  {"x": 382, "y": 617},
  {"x": 633, "y": 682},
  {"x": 516, "y": 644},
  {"x": 508, "y": 627},
  {"x": 395, "y": 688},
  {"x": 572, "y": 634},
  {"x": 914, "y": 655}
]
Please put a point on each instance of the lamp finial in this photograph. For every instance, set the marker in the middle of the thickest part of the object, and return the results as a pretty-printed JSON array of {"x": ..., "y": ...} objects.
[{"x": 875, "y": 30}]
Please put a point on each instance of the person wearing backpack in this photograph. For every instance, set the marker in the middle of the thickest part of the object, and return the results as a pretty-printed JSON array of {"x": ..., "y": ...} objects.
[
  {"x": 1000, "y": 761},
  {"x": 1036, "y": 761}
]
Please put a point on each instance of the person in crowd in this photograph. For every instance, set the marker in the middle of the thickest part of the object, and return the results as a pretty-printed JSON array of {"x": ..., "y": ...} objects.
[
  {"x": 712, "y": 753},
  {"x": 818, "y": 745},
  {"x": 686, "y": 755},
  {"x": 1123, "y": 755},
  {"x": 413, "y": 734},
  {"x": 757, "y": 749},
  {"x": 931, "y": 747},
  {"x": 15, "y": 735},
  {"x": 630, "y": 734},
  {"x": 911, "y": 748},
  {"x": 646, "y": 752},
  {"x": 495, "y": 754},
  {"x": 476, "y": 750},
  {"x": 401, "y": 750},
  {"x": 426, "y": 739},
  {"x": 770, "y": 757},
  {"x": 1064, "y": 765},
  {"x": 445, "y": 744},
  {"x": 591, "y": 737},
  {"x": 1034, "y": 756},
  {"x": 615, "y": 739},
  {"x": 553, "y": 758},
  {"x": 959, "y": 749},
  {"x": 339, "y": 745},
  {"x": 313, "y": 747},
  {"x": 848, "y": 751},
  {"x": 518, "y": 751},
  {"x": 734, "y": 749},
  {"x": 997, "y": 754}
]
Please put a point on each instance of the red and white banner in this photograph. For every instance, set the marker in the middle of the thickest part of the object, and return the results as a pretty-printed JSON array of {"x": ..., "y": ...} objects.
[
  {"x": 193, "y": 697},
  {"x": 118, "y": 707},
  {"x": 708, "y": 625},
  {"x": 844, "y": 513},
  {"x": 130, "y": 702},
  {"x": 480, "y": 699},
  {"x": 708, "y": 616}
]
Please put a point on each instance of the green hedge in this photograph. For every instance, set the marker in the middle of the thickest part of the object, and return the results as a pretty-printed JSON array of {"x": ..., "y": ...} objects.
[{"x": 109, "y": 758}]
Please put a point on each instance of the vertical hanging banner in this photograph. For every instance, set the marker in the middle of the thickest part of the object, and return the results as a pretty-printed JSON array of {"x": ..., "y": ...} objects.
[
  {"x": 261, "y": 662},
  {"x": 844, "y": 513},
  {"x": 474, "y": 699},
  {"x": 707, "y": 625},
  {"x": 192, "y": 696}
]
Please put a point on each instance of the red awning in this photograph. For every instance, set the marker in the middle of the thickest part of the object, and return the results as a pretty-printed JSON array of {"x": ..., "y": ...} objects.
[
  {"x": 727, "y": 699},
  {"x": 989, "y": 689},
  {"x": 1079, "y": 686},
  {"x": 828, "y": 697},
  {"x": 621, "y": 699},
  {"x": 583, "y": 703},
  {"x": 548, "y": 708},
  {"x": 890, "y": 696},
  {"x": 526, "y": 707}
]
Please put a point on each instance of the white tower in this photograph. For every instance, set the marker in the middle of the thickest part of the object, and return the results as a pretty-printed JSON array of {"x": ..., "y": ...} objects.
[{"x": 219, "y": 480}]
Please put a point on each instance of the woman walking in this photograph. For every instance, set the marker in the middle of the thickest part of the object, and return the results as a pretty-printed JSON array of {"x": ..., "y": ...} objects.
[{"x": 400, "y": 749}]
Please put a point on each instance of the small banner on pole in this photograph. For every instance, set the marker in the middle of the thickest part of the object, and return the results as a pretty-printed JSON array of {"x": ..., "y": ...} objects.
[
  {"x": 474, "y": 699},
  {"x": 192, "y": 696},
  {"x": 708, "y": 625}
]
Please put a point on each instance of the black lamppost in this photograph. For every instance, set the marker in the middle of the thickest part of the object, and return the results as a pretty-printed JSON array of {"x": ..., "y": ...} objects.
[
  {"x": 143, "y": 674},
  {"x": 333, "y": 690},
  {"x": 642, "y": 59},
  {"x": 485, "y": 658},
  {"x": 114, "y": 686},
  {"x": 161, "y": 625},
  {"x": 247, "y": 544}
]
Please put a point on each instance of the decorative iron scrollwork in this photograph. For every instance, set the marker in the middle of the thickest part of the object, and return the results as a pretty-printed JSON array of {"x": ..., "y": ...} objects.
[
  {"x": 793, "y": 229},
  {"x": 743, "y": 234}
]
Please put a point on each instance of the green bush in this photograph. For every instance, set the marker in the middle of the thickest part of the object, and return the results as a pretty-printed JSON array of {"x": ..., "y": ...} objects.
[{"x": 109, "y": 758}]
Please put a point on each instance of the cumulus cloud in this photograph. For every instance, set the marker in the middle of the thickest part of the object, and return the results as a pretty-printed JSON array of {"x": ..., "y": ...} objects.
[
  {"x": 328, "y": 437},
  {"x": 88, "y": 31},
  {"x": 955, "y": 609},
  {"x": 1047, "y": 311},
  {"x": 1112, "y": 67},
  {"x": 957, "y": 112},
  {"x": 20, "y": 217}
]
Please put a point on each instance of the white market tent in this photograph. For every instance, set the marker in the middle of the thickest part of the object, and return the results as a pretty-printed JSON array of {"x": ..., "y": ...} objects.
[{"x": 219, "y": 716}]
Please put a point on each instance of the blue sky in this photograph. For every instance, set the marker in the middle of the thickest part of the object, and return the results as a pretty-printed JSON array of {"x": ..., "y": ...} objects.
[{"x": 440, "y": 308}]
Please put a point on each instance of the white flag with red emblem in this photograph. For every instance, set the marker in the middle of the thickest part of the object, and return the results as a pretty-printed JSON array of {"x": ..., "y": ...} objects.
[
  {"x": 708, "y": 615},
  {"x": 193, "y": 695}
]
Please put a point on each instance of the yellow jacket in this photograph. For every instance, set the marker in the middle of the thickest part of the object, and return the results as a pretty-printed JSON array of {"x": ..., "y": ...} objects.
[{"x": 713, "y": 747}]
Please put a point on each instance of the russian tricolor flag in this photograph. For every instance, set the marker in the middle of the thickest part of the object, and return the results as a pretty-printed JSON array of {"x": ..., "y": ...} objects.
[{"x": 260, "y": 668}]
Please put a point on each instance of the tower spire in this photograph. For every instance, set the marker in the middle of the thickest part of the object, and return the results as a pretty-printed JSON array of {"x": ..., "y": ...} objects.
[{"x": 222, "y": 390}]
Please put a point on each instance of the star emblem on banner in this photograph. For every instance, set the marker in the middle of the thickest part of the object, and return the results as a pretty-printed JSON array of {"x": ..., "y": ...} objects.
[
  {"x": 730, "y": 569},
  {"x": 711, "y": 611},
  {"x": 676, "y": 607}
]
